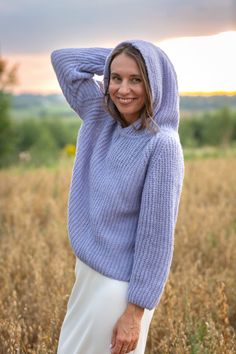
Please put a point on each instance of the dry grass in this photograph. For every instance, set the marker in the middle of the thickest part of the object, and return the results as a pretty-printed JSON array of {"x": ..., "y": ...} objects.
[{"x": 197, "y": 313}]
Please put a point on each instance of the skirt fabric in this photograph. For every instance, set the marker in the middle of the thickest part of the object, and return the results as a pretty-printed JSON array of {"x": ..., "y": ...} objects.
[{"x": 95, "y": 304}]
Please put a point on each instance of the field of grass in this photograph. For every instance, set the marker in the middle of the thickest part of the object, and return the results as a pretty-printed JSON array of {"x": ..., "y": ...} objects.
[
  {"x": 197, "y": 313},
  {"x": 206, "y": 152}
]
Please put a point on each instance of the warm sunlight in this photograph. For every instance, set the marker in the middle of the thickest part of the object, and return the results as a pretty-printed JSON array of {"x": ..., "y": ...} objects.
[
  {"x": 203, "y": 64},
  {"x": 35, "y": 74}
]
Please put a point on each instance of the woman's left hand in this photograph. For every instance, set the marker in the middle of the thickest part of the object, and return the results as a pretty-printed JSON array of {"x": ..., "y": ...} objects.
[{"x": 127, "y": 329}]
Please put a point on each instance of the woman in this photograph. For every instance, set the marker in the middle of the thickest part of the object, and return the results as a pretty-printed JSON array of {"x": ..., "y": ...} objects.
[{"x": 125, "y": 191}]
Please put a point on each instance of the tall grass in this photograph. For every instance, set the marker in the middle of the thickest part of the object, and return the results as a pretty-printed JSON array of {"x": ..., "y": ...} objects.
[{"x": 197, "y": 313}]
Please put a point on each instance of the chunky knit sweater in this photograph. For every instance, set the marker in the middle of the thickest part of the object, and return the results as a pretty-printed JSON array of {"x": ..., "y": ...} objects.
[{"x": 126, "y": 184}]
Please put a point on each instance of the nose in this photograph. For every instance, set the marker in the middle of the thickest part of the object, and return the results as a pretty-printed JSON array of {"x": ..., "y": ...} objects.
[{"x": 124, "y": 88}]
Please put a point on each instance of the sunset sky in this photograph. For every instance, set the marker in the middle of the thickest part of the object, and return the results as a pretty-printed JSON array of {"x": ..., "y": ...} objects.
[{"x": 198, "y": 36}]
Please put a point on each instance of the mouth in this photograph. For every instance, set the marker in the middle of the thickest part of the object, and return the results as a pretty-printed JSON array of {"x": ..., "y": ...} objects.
[{"x": 125, "y": 100}]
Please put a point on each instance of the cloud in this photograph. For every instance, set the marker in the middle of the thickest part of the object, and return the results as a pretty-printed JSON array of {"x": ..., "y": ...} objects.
[{"x": 40, "y": 26}]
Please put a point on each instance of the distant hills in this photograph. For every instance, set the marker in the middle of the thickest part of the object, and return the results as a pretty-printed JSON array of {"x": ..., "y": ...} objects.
[
  {"x": 30, "y": 105},
  {"x": 199, "y": 104}
]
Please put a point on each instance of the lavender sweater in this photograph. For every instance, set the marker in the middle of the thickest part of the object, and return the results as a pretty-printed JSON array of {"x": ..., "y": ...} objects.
[{"x": 126, "y": 185}]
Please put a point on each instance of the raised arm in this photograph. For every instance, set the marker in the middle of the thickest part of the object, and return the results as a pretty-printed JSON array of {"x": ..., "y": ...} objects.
[
  {"x": 157, "y": 219},
  {"x": 75, "y": 68}
]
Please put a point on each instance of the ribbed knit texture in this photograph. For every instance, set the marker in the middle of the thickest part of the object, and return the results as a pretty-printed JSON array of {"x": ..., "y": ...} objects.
[{"x": 126, "y": 184}]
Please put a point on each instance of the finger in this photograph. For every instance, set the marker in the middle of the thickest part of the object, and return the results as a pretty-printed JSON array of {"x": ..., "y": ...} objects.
[
  {"x": 130, "y": 347},
  {"x": 124, "y": 348},
  {"x": 117, "y": 349},
  {"x": 133, "y": 346},
  {"x": 120, "y": 346}
]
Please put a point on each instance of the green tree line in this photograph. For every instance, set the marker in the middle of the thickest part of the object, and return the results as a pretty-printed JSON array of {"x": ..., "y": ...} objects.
[
  {"x": 42, "y": 141},
  {"x": 209, "y": 129}
]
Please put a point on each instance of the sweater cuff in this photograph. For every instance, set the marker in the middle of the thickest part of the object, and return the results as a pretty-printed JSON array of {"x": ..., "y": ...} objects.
[{"x": 145, "y": 298}]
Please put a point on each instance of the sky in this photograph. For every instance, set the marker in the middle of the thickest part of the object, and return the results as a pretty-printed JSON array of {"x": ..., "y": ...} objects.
[{"x": 199, "y": 36}]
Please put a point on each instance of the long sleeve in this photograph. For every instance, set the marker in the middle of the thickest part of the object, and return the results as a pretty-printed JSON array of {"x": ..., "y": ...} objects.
[
  {"x": 157, "y": 218},
  {"x": 75, "y": 68}
]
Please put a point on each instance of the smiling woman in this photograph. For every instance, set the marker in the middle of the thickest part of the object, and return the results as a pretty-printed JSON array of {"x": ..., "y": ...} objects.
[
  {"x": 125, "y": 192},
  {"x": 126, "y": 87},
  {"x": 128, "y": 94}
]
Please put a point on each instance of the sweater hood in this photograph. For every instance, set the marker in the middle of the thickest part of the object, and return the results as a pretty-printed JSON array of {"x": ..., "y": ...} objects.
[{"x": 163, "y": 83}]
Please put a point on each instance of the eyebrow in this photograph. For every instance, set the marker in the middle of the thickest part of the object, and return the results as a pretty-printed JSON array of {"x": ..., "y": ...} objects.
[{"x": 133, "y": 75}]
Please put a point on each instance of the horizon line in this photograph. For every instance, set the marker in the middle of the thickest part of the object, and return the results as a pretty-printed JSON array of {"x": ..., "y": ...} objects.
[
  {"x": 208, "y": 93},
  {"x": 181, "y": 93}
]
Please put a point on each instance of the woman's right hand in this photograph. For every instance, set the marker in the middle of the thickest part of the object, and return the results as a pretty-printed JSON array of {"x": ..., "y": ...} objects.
[{"x": 126, "y": 331}]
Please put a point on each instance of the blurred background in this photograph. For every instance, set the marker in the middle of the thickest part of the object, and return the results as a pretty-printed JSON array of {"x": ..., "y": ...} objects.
[
  {"x": 36, "y": 124},
  {"x": 38, "y": 130}
]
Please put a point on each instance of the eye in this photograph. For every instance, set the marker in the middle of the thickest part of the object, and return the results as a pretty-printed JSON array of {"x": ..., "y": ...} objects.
[
  {"x": 136, "y": 80},
  {"x": 115, "y": 78}
]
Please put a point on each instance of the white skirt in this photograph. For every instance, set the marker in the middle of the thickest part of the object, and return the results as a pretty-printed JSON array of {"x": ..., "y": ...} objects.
[{"x": 95, "y": 304}]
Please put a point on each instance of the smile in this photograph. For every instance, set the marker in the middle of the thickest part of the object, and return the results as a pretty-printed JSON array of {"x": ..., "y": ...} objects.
[{"x": 125, "y": 100}]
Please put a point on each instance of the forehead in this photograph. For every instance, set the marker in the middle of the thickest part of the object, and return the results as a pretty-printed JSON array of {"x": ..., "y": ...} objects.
[{"x": 124, "y": 64}]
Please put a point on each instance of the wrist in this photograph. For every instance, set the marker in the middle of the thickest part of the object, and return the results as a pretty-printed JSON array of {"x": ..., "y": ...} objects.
[{"x": 135, "y": 310}]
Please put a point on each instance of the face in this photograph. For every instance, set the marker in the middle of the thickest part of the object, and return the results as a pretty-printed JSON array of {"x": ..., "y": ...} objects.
[{"x": 126, "y": 87}]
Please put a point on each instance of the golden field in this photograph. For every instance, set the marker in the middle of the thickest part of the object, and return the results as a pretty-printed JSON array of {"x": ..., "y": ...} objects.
[{"x": 197, "y": 313}]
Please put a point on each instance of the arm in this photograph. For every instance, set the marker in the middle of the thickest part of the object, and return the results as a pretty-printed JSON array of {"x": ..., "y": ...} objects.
[
  {"x": 154, "y": 241},
  {"x": 75, "y": 68},
  {"x": 155, "y": 232}
]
